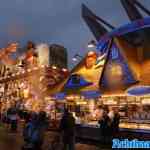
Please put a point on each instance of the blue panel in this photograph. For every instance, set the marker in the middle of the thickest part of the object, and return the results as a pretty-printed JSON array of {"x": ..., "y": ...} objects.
[
  {"x": 102, "y": 46},
  {"x": 60, "y": 96},
  {"x": 76, "y": 81},
  {"x": 115, "y": 57},
  {"x": 114, "y": 52},
  {"x": 139, "y": 91}
]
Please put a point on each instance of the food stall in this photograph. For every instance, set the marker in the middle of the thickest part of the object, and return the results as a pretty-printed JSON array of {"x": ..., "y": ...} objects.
[
  {"x": 31, "y": 87},
  {"x": 112, "y": 71},
  {"x": 133, "y": 109},
  {"x": 134, "y": 112}
]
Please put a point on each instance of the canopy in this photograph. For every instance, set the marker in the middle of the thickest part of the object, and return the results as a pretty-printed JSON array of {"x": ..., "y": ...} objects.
[
  {"x": 91, "y": 94},
  {"x": 59, "y": 96},
  {"x": 139, "y": 91}
]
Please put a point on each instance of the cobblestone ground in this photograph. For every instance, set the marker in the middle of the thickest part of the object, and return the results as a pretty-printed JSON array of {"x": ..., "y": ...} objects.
[{"x": 14, "y": 141}]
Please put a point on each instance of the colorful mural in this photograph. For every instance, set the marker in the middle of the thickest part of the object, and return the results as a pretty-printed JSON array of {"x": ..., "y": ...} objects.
[
  {"x": 86, "y": 75},
  {"x": 117, "y": 72}
]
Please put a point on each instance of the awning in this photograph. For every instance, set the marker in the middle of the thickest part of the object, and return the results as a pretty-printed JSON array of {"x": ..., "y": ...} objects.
[
  {"x": 59, "y": 96},
  {"x": 139, "y": 91},
  {"x": 91, "y": 94}
]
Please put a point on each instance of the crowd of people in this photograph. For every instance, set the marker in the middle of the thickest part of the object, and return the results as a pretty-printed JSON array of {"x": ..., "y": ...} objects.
[{"x": 36, "y": 125}]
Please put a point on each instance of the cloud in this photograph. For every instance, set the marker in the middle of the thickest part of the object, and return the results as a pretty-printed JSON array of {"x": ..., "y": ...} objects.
[
  {"x": 56, "y": 21},
  {"x": 16, "y": 30}
]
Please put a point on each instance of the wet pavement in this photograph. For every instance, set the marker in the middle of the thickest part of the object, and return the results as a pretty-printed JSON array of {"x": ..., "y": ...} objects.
[{"x": 14, "y": 141}]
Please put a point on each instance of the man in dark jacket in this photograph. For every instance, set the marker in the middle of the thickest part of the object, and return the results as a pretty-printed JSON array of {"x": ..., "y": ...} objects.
[
  {"x": 13, "y": 118},
  {"x": 105, "y": 128},
  {"x": 67, "y": 126},
  {"x": 115, "y": 123}
]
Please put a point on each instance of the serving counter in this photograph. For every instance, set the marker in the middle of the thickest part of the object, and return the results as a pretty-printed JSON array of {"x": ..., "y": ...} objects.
[
  {"x": 135, "y": 129},
  {"x": 88, "y": 131},
  {"x": 136, "y": 125},
  {"x": 130, "y": 129}
]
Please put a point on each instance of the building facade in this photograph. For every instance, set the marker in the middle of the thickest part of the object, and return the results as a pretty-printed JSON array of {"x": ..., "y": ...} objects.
[
  {"x": 58, "y": 56},
  {"x": 53, "y": 55}
]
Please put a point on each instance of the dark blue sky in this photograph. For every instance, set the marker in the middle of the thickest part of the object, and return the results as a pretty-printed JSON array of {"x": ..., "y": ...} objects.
[{"x": 55, "y": 21}]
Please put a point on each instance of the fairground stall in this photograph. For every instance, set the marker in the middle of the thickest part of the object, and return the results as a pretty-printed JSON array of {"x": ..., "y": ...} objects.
[
  {"x": 29, "y": 81},
  {"x": 119, "y": 72}
]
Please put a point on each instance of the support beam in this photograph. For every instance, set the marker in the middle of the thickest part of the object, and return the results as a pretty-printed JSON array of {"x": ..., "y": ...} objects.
[
  {"x": 142, "y": 7},
  {"x": 131, "y": 10},
  {"x": 95, "y": 23}
]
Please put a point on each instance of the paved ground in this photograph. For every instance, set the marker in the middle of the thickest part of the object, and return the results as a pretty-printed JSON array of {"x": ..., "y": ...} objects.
[
  {"x": 9, "y": 141},
  {"x": 13, "y": 141}
]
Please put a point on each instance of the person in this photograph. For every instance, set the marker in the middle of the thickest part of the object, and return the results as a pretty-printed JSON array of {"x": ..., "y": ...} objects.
[
  {"x": 115, "y": 123},
  {"x": 42, "y": 126},
  {"x": 67, "y": 127},
  {"x": 77, "y": 118},
  {"x": 105, "y": 127},
  {"x": 27, "y": 115},
  {"x": 7, "y": 115},
  {"x": 20, "y": 107},
  {"x": 28, "y": 131},
  {"x": 98, "y": 113},
  {"x": 34, "y": 131},
  {"x": 13, "y": 118},
  {"x": 111, "y": 113}
]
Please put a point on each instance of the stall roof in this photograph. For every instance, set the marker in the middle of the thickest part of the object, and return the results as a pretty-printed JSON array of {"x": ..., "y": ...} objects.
[
  {"x": 91, "y": 94},
  {"x": 128, "y": 51},
  {"x": 59, "y": 96},
  {"x": 139, "y": 90}
]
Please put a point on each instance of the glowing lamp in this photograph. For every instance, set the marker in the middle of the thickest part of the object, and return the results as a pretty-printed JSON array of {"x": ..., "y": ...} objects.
[
  {"x": 54, "y": 67},
  {"x": 74, "y": 59},
  {"x": 42, "y": 66},
  {"x": 64, "y": 70},
  {"x": 29, "y": 70},
  {"x": 35, "y": 68},
  {"x": 81, "y": 103}
]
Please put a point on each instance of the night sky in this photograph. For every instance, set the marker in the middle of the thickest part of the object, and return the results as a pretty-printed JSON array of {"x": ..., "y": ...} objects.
[{"x": 55, "y": 21}]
